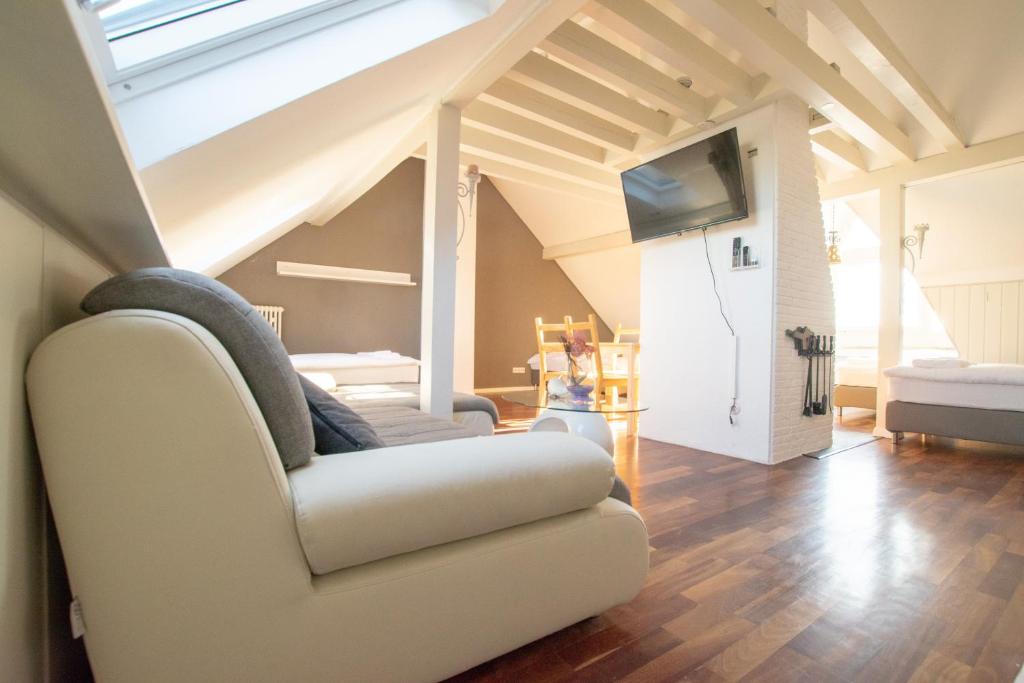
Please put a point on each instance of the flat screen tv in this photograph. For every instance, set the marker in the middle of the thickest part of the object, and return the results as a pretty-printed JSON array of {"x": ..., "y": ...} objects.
[{"x": 691, "y": 188}]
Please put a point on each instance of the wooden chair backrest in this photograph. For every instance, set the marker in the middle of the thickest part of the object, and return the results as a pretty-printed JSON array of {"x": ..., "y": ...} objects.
[
  {"x": 621, "y": 332},
  {"x": 590, "y": 330},
  {"x": 546, "y": 346}
]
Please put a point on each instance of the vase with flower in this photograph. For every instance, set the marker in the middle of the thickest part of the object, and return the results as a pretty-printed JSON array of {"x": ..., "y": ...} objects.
[{"x": 577, "y": 354}]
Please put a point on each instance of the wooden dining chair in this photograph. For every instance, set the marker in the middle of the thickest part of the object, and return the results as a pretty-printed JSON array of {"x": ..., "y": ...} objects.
[
  {"x": 620, "y": 332},
  {"x": 603, "y": 381},
  {"x": 624, "y": 350},
  {"x": 546, "y": 346}
]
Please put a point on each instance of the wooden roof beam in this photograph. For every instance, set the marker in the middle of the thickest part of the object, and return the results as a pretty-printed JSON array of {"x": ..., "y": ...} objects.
[
  {"x": 828, "y": 145},
  {"x": 500, "y": 169},
  {"x": 492, "y": 146},
  {"x": 594, "y": 54},
  {"x": 559, "y": 114},
  {"x": 556, "y": 79},
  {"x": 765, "y": 40},
  {"x": 854, "y": 26},
  {"x": 511, "y": 125},
  {"x": 642, "y": 24}
]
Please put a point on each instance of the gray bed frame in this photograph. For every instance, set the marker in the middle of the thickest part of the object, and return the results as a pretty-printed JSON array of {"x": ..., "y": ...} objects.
[{"x": 976, "y": 424}]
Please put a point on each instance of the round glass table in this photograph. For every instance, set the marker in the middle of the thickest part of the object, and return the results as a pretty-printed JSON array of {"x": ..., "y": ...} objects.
[{"x": 582, "y": 418}]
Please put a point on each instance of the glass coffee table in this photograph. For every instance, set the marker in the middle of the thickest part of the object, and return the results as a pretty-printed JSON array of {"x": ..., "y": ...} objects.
[{"x": 582, "y": 418}]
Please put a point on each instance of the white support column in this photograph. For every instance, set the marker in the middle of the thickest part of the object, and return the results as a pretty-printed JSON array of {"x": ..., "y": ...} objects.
[
  {"x": 890, "y": 328},
  {"x": 440, "y": 228}
]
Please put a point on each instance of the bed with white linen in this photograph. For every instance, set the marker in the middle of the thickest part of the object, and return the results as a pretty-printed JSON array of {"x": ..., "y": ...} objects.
[
  {"x": 366, "y": 367},
  {"x": 982, "y": 402}
]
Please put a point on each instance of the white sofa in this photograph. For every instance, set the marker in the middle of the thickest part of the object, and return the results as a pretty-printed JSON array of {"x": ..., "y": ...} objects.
[{"x": 196, "y": 557}]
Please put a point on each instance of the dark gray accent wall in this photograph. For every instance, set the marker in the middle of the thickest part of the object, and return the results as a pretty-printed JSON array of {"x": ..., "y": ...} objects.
[
  {"x": 514, "y": 285},
  {"x": 382, "y": 230}
]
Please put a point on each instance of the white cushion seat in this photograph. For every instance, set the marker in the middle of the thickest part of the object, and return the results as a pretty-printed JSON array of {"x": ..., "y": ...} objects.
[{"x": 359, "y": 507}]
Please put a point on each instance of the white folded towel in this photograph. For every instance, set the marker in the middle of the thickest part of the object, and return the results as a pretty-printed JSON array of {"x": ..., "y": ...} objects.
[{"x": 940, "y": 363}]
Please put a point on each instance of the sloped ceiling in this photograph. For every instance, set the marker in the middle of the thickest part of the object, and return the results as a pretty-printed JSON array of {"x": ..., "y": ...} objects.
[
  {"x": 609, "y": 279},
  {"x": 221, "y": 200},
  {"x": 970, "y": 54},
  {"x": 554, "y": 133}
]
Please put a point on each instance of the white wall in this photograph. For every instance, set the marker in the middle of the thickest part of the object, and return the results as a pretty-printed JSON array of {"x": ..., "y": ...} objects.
[
  {"x": 42, "y": 279},
  {"x": 803, "y": 286},
  {"x": 685, "y": 363},
  {"x": 976, "y": 229}
]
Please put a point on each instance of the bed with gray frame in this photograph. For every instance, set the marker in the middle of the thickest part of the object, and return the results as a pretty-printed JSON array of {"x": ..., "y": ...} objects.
[
  {"x": 982, "y": 402},
  {"x": 956, "y": 422}
]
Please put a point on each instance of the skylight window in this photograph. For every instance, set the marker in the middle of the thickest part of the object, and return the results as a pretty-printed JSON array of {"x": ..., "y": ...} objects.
[{"x": 146, "y": 31}]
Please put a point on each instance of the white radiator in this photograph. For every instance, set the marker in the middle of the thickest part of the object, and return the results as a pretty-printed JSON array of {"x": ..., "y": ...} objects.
[{"x": 273, "y": 315}]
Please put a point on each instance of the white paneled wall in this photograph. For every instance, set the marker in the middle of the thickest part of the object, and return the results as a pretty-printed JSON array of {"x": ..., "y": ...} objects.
[{"x": 985, "y": 321}]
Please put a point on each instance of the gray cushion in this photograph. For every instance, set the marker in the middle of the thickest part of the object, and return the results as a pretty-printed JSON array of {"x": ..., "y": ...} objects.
[
  {"x": 621, "y": 492},
  {"x": 247, "y": 337},
  {"x": 336, "y": 427}
]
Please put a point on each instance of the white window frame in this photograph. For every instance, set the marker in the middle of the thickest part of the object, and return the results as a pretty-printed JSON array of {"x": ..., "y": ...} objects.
[{"x": 136, "y": 80}]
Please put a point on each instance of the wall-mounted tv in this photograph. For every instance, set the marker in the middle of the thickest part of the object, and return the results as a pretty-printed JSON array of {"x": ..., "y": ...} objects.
[{"x": 691, "y": 188}]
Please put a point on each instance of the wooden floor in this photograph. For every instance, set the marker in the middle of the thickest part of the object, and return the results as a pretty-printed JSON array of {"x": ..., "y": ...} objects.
[{"x": 865, "y": 566}]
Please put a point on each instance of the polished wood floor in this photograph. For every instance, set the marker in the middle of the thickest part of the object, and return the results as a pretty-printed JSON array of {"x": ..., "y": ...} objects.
[{"x": 866, "y": 566}]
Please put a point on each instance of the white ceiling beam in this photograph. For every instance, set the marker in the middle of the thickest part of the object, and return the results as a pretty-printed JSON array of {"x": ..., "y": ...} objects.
[
  {"x": 999, "y": 152},
  {"x": 594, "y": 54},
  {"x": 542, "y": 17},
  {"x": 556, "y": 79},
  {"x": 829, "y": 146},
  {"x": 339, "y": 197},
  {"x": 493, "y": 146},
  {"x": 612, "y": 240},
  {"x": 766, "y": 41},
  {"x": 853, "y": 24},
  {"x": 645, "y": 26},
  {"x": 818, "y": 122},
  {"x": 560, "y": 114},
  {"x": 509, "y": 124},
  {"x": 500, "y": 169}
]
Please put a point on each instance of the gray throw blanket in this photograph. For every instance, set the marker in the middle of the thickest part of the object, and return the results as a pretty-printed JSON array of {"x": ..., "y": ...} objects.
[
  {"x": 408, "y": 395},
  {"x": 399, "y": 425}
]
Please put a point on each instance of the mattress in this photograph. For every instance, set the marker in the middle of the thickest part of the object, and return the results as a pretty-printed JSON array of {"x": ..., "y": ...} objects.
[
  {"x": 373, "y": 367},
  {"x": 989, "y": 387}
]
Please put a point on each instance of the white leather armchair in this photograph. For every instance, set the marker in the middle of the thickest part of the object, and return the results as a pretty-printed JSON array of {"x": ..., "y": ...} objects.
[{"x": 196, "y": 557}]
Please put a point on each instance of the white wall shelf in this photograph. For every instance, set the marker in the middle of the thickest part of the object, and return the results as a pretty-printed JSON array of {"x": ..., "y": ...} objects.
[
  {"x": 318, "y": 272},
  {"x": 750, "y": 267}
]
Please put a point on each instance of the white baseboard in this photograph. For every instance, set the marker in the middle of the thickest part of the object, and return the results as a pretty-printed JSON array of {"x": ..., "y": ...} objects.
[{"x": 502, "y": 390}]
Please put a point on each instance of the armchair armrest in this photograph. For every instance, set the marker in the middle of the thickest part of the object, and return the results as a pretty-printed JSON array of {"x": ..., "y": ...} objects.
[{"x": 353, "y": 508}]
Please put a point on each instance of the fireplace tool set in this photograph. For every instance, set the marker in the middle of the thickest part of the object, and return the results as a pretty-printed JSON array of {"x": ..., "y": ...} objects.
[{"x": 819, "y": 352}]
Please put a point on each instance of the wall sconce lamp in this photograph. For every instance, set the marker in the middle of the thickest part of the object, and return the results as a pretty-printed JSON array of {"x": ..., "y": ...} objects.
[
  {"x": 467, "y": 189},
  {"x": 917, "y": 240}
]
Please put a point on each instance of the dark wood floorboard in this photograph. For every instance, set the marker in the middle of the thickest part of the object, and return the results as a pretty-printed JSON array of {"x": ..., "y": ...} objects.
[{"x": 866, "y": 566}]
